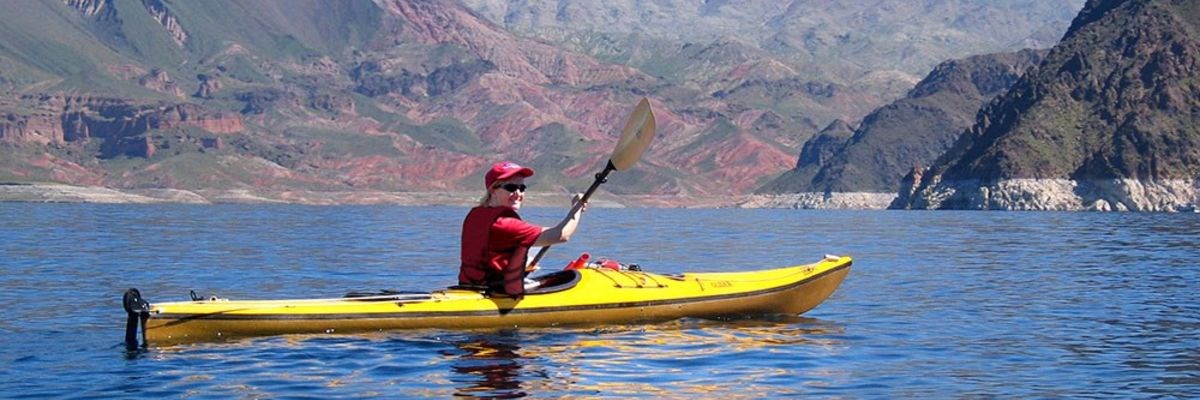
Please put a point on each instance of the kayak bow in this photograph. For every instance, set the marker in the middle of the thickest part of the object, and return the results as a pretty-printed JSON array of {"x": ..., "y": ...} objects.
[{"x": 572, "y": 297}]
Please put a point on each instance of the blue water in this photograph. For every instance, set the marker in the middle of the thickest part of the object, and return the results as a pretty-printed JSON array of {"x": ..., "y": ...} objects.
[{"x": 938, "y": 304}]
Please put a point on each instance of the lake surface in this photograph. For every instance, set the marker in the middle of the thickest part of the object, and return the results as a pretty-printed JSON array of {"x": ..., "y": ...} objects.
[{"x": 938, "y": 304}]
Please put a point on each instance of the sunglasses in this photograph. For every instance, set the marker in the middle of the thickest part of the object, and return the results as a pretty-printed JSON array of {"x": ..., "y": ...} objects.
[{"x": 513, "y": 187}]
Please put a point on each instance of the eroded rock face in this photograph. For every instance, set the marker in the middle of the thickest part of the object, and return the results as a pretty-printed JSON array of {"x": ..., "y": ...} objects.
[
  {"x": 1107, "y": 122},
  {"x": 1061, "y": 195},
  {"x": 159, "y": 11},
  {"x": 91, "y": 8},
  {"x": 40, "y": 129},
  {"x": 159, "y": 81},
  {"x": 208, "y": 86},
  {"x": 61, "y": 119}
]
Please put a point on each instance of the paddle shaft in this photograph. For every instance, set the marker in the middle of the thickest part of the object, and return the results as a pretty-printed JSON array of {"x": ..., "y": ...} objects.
[{"x": 601, "y": 177}]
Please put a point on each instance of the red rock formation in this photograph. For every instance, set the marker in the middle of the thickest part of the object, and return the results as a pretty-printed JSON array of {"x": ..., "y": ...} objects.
[
  {"x": 159, "y": 81},
  {"x": 57, "y": 169},
  {"x": 208, "y": 86},
  {"x": 122, "y": 124},
  {"x": 41, "y": 129},
  {"x": 733, "y": 165},
  {"x": 219, "y": 122}
]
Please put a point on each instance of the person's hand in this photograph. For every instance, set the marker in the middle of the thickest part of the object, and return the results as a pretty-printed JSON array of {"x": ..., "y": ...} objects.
[{"x": 575, "y": 202}]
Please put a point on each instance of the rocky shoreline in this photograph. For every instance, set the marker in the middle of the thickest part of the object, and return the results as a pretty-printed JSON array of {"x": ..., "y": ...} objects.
[
  {"x": 59, "y": 193},
  {"x": 62, "y": 193},
  {"x": 1057, "y": 195},
  {"x": 1009, "y": 195},
  {"x": 821, "y": 201}
]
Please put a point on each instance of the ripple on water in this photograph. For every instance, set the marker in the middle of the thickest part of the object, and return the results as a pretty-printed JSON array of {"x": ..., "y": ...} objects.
[{"x": 938, "y": 304}]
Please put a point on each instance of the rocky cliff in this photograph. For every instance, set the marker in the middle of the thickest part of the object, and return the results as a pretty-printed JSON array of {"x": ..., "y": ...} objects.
[
  {"x": 61, "y": 119},
  {"x": 909, "y": 132},
  {"x": 1110, "y": 121}
]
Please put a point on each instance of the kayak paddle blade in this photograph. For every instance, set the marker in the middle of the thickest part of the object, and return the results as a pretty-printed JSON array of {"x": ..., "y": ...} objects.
[{"x": 635, "y": 138}]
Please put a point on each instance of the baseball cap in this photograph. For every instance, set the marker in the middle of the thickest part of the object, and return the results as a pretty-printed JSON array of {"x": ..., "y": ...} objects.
[{"x": 504, "y": 170}]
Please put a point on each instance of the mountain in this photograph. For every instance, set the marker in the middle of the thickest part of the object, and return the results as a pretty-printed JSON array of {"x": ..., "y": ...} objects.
[
  {"x": 863, "y": 53},
  {"x": 290, "y": 100},
  {"x": 293, "y": 95},
  {"x": 821, "y": 149},
  {"x": 1110, "y": 120},
  {"x": 909, "y": 132}
]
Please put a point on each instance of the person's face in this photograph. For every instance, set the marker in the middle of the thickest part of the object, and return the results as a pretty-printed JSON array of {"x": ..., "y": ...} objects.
[{"x": 510, "y": 192}]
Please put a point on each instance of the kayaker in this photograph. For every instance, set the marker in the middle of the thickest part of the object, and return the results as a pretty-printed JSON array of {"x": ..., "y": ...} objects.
[{"x": 496, "y": 241}]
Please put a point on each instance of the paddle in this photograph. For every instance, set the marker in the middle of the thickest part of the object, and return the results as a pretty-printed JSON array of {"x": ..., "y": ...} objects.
[{"x": 635, "y": 138}]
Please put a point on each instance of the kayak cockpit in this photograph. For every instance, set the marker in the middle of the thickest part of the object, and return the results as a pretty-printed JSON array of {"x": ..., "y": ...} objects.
[
  {"x": 553, "y": 282},
  {"x": 548, "y": 283}
]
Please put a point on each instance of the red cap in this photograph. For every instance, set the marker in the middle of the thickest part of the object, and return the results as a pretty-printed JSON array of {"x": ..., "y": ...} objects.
[{"x": 504, "y": 170}]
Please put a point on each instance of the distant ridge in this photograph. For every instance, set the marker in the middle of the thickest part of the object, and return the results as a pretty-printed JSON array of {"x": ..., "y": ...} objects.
[{"x": 909, "y": 132}]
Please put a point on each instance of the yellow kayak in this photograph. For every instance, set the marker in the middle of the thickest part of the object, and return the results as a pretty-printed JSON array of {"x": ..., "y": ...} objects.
[{"x": 571, "y": 297}]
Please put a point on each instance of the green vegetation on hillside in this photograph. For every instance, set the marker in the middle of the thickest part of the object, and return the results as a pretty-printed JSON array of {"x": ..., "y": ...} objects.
[{"x": 445, "y": 133}]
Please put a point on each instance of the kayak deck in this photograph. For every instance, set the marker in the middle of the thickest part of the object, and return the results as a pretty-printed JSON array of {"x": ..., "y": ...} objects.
[{"x": 575, "y": 297}]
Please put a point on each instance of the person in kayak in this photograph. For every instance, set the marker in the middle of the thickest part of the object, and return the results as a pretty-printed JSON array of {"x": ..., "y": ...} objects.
[{"x": 496, "y": 241}]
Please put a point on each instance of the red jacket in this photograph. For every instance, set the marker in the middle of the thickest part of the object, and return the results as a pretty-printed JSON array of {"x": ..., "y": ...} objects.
[{"x": 498, "y": 268}]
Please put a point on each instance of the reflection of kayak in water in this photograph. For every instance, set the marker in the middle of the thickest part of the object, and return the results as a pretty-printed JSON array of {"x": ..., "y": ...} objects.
[{"x": 581, "y": 296}]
